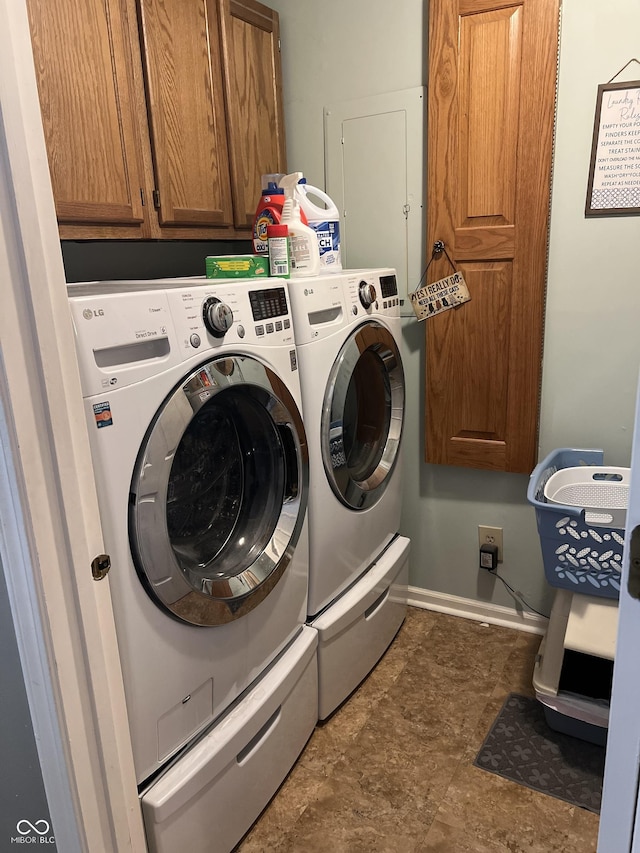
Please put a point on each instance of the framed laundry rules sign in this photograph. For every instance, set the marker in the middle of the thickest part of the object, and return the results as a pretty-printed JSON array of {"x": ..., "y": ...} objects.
[
  {"x": 614, "y": 173},
  {"x": 449, "y": 292}
]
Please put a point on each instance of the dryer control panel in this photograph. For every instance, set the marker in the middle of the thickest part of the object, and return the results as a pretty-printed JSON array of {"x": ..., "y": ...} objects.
[{"x": 370, "y": 292}]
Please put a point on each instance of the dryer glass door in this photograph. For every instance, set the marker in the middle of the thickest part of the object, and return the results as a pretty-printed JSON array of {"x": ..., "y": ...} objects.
[
  {"x": 218, "y": 494},
  {"x": 362, "y": 416}
]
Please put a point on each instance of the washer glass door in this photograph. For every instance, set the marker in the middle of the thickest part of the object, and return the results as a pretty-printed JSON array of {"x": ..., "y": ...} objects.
[
  {"x": 218, "y": 494},
  {"x": 362, "y": 416}
]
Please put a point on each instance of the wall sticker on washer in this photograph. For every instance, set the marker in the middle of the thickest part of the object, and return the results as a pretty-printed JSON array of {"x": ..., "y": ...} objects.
[{"x": 102, "y": 414}]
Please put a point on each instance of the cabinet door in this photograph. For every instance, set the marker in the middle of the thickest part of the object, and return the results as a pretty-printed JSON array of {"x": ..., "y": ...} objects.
[
  {"x": 492, "y": 73},
  {"x": 84, "y": 73},
  {"x": 251, "y": 45},
  {"x": 181, "y": 54}
]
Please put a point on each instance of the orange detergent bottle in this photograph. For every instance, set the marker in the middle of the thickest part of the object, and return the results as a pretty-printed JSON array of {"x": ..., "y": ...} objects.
[{"x": 269, "y": 212}]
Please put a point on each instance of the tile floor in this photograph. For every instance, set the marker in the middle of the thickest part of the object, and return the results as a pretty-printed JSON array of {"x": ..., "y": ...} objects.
[{"x": 392, "y": 770}]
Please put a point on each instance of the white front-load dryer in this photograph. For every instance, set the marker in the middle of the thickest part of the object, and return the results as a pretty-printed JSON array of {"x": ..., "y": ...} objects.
[
  {"x": 193, "y": 407},
  {"x": 349, "y": 338}
]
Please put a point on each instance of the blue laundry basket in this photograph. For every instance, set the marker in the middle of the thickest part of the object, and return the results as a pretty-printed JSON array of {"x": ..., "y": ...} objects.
[{"x": 579, "y": 553}]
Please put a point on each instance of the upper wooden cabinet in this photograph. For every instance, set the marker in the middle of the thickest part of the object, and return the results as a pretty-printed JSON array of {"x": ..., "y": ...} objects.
[
  {"x": 160, "y": 116},
  {"x": 255, "y": 124},
  {"x": 84, "y": 71},
  {"x": 183, "y": 72}
]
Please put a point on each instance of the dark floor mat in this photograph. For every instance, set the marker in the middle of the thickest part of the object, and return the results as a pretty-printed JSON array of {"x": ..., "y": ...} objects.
[{"x": 521, "y": 746}]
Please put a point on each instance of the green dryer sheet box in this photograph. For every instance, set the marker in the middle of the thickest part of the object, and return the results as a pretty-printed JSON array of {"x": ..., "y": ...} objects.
[{"x": 236, "y": 266}]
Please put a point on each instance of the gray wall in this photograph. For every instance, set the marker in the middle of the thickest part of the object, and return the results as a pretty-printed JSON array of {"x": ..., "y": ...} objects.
[
  {"x": 22, "y": 794},
  {"x": 592, "y": 346},
  {"x": 100, "y": 260},
  {"x": 339, "y": 51}
]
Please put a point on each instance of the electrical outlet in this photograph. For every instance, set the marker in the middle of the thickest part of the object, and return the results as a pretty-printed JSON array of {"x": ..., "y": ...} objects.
[{"x": 491, "y": 536}]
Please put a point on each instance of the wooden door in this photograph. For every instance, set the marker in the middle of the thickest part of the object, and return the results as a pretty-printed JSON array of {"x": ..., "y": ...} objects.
[
  {"x": 84, "y": 73},
  {"x": 251, "y": 45},
  {"x": 492, "y": 77},
  {"x": 183, "y": 72}
]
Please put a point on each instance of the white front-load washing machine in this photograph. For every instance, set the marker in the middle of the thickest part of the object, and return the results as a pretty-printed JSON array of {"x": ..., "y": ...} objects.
[
  {"x": 193, "y": 406},
  {"x": 348, "y": 334}
]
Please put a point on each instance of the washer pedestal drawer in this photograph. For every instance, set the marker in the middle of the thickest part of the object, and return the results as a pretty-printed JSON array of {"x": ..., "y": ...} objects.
[{"x": 210, "y": 797}]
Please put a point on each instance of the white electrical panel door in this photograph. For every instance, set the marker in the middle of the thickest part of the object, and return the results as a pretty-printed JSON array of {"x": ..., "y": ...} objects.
[
  {"x": 374, "y": 162},
  {"x": 374, "y": 216}
]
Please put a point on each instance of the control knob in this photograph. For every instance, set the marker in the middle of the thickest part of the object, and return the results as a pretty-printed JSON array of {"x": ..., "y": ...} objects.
[
  {"x": 367, "y": 294},
  {"x": 217, "y": 316}
]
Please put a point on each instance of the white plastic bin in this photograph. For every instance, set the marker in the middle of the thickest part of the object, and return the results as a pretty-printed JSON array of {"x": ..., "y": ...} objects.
[{"x": 602, "y": 491}]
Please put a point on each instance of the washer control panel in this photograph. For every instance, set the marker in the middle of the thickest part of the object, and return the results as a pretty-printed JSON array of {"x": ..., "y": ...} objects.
[
  {"x": 124, "y": 329},
  {"x": 233, "y": 312},
  {"x": 269, "y": 303}
]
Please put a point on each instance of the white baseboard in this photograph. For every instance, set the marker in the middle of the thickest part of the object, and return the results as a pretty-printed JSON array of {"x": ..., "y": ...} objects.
[{"x": 481, "y": 611}]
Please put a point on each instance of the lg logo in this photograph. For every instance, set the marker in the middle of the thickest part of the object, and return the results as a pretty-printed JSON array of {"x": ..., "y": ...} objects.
[{"x": 89, "y": 314}]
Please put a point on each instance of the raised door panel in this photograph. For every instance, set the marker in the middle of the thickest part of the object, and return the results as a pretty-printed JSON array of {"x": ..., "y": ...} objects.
[
  {"x": 183, "y": 72},
  {"x": 84, "y": 74},
  {"x": 489, "y": 167},
  {"x": 478, "y": 417},
  {"x": 251, "y": 44}
]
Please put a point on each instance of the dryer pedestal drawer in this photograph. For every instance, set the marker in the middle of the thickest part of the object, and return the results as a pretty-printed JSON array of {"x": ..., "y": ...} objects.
[{"x": 355, "y": 631}]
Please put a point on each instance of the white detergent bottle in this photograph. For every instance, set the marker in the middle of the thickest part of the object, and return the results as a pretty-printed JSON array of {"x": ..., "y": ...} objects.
[
  {"x": 305, "y": 257},
  {"x": 325, "y": 221}
]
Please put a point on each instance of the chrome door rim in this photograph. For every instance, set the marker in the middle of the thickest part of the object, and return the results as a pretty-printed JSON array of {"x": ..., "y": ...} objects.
[
  {"x": 364, "y": 493},
  {"x": 225, "y": 598}
]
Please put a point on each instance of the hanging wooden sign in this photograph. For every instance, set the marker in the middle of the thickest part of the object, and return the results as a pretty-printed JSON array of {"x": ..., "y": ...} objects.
[{"x": 449, "y": 292}]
